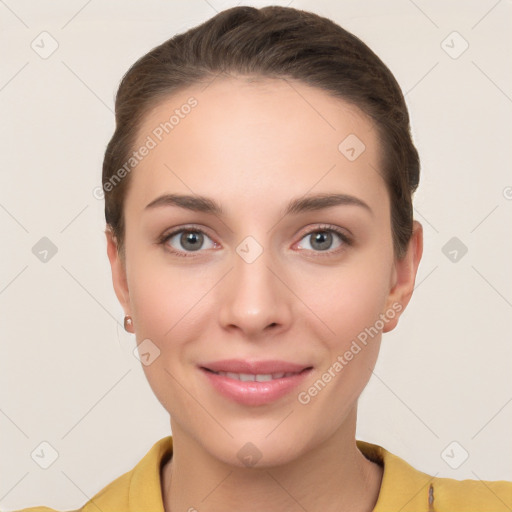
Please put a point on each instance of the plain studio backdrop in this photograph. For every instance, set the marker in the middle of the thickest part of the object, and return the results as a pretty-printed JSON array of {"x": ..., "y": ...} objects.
[{"x": 71, "y": 387}]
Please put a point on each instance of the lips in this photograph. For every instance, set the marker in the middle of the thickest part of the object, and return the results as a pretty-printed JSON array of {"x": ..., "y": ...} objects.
[
  {"x": 250, "y": 377},
  {"x": 239, "y": 366},
  {"x": 254, "y": 383}
]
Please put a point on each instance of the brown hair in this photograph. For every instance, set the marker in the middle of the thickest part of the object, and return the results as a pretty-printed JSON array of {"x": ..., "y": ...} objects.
[{"x": 274, "y": 42}]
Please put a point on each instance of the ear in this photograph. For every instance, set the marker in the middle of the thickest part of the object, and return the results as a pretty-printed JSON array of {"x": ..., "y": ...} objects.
[
  {"x": 117, "y": 265},
  {"x": 403, "y": 278}
]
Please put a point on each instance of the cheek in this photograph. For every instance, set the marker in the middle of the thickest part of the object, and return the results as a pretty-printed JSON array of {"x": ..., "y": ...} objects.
[
  {"x": 350, "y": 306},
  {"x": 165, "y": 299},
  {"x": 350, "y": 303},
  {"x": 356, "y": 308},
  {"x": 166, "y": 309},
  {"x": 349, "y": 299},
  {"x": 155, "y": 303}
]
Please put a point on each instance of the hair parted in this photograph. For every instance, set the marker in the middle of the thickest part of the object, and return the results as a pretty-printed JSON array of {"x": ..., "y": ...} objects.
[{"x": 273, "y": 42}]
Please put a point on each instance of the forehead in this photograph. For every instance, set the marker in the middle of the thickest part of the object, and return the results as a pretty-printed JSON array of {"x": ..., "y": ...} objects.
[
  {"x": 269, "y": 101},
  {"x": 252, "y": 134}
]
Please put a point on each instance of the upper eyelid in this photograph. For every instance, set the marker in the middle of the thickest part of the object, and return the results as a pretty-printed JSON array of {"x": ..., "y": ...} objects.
[
  {"x": 325, "y": 227},
  {"x": 176, "y": 231}
]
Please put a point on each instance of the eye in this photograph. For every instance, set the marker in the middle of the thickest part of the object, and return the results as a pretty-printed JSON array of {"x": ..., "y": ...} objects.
[
  {"x": 322, "y": 239},
  {"x": 186, "y": 240}
]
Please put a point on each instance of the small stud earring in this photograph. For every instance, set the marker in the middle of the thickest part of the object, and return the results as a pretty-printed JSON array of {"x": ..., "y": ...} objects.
[{"x": 128, "y": 324}]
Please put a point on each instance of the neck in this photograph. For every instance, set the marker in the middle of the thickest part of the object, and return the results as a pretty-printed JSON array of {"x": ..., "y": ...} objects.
[{"x": 332, "y": 476}]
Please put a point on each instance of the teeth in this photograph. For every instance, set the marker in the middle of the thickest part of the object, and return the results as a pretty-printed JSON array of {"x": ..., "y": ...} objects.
[{"x": 260, "y": 377}]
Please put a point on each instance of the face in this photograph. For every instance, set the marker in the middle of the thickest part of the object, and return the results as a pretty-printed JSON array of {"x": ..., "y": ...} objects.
[{"x": 254, "y": 280}]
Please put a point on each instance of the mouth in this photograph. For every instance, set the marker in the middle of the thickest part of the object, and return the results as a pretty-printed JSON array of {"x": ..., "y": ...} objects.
[
  {"x": 258, "y": 377},
  {"x": 254, "y": 383}
]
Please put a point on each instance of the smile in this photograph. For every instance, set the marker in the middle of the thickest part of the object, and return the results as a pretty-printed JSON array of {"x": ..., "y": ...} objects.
[
  {"x": 260, "y": 377},
  {"x": 254, "y": 389}
]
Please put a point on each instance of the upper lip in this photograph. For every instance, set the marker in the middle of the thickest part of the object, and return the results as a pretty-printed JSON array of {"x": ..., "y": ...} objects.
[{"x": 254, "y": 367}]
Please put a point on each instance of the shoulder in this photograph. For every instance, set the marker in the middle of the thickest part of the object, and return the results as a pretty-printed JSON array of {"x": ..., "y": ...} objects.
[
  {"x": 471, "y": 495},
  {"x": 407, "y": 489}
]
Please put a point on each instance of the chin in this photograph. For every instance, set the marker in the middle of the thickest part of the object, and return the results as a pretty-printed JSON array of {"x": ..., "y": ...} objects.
[{"x": 256, "y": 449}]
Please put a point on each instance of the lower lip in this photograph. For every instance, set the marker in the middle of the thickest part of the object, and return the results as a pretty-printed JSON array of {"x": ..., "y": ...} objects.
[{"x": 253, "y": 392}]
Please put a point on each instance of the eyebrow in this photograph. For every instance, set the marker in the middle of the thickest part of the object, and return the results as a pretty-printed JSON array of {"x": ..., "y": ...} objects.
[{"x": 295, "y": 206}]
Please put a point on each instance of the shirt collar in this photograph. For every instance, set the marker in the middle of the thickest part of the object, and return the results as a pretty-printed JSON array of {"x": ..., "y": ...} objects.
[{"x": 403, "y": 487}]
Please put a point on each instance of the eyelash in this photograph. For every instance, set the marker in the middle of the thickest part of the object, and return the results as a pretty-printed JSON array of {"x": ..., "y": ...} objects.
[{"x": 347, "y": 241}]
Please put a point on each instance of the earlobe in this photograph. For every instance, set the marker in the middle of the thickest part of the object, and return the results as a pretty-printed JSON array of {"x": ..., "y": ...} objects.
[
  {"x": 404, "y": 273},
  {"x": 117, "y": 266}
]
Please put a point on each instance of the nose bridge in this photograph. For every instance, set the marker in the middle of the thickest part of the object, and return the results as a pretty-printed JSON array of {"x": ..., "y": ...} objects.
[{"x": 254, "y": 298}]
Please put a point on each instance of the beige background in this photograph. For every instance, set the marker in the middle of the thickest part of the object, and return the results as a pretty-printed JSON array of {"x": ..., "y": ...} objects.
[{"x": 68, "y": 374}]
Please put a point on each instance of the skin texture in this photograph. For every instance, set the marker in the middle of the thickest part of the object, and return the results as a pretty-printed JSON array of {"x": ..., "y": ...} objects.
[{"x": 253, "y": 145}]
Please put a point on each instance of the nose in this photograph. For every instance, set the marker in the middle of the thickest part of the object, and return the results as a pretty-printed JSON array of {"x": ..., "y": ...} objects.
[{"x": 255, "y": 299}]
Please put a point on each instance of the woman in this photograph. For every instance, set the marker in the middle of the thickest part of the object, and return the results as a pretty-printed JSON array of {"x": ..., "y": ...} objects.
[{"x": 258, "y": 200}]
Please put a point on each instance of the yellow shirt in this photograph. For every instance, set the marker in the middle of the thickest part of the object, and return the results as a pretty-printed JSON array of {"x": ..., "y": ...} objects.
[{"x": 403, "y": 488}]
